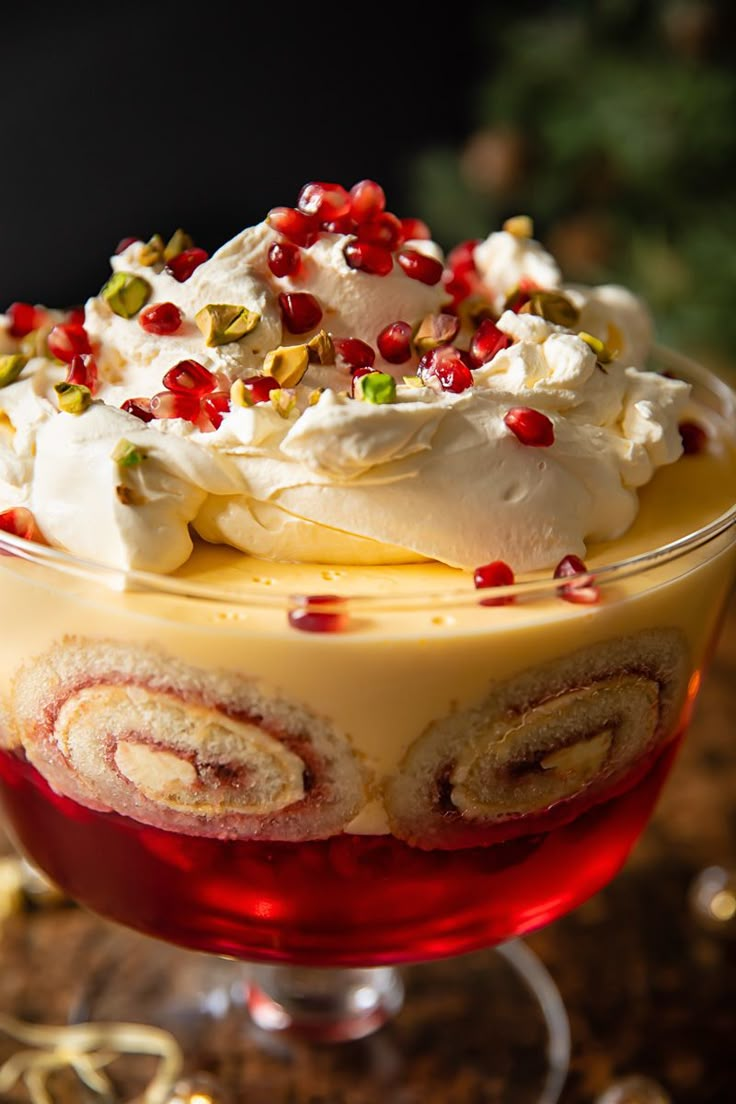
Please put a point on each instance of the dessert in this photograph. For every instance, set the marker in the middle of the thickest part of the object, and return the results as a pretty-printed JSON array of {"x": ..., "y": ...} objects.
[{"x": 359, "y": 598}]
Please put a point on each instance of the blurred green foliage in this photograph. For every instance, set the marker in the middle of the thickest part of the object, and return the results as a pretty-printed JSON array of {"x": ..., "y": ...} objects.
[{"x": 613, "y": 123}]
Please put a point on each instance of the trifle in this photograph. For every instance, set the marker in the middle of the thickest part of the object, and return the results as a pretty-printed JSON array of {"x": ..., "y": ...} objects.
[{"x": 355, "y": 598}]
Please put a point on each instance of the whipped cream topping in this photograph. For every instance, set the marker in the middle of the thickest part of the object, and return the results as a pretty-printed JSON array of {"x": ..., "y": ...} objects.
[{"x": 319, "y": 475}]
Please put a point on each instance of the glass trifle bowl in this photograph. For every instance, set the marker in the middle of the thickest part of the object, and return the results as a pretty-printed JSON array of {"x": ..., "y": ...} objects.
[{"x": 326, "y": 769}]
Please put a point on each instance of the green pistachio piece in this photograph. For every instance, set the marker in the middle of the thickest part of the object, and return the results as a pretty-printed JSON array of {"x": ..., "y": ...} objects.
[
  {"x": 521, "y": 226},
  {"x": 221, "y": 323},
  {"x": 125, "y": 293},
  {"x": 73, "y": 398},
  {"x": 11, "y": 367},
  {"x": 474, "y": 310},
  {"x": 177, "y": 243},
  {"x": 287, "y": 364},
  {"x": 601, "y": 350},
  {"x": 315, "y": 396},
  {"x": 413, "y": 381},
  {"x": 553, "y": 307},
  {"x": 435, "y": 330},
  {"x": 238, "y": 395},
  {"x": 127, "y": 455},
  {"x": 152, "y": 252},
  {"x": 377, "y": 387},
  {"x": 282, "y": 400},
  {"x": 321, "y": 349}
]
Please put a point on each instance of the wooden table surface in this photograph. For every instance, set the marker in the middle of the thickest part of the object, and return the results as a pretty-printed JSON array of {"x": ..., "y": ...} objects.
[{"x": 648, "y": 987}]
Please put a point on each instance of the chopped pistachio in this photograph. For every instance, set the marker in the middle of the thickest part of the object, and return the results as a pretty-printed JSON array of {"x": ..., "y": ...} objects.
[
  {"x": 221, "y": 323},
  {"x": 315, "y": 396},
  {"x": 126, "y": 293},
  {"x": 435, "y": 330},
  {"x": 287, "y": 364},
  {"x": 152, "y": 252},
  {"x": 321, "y": 349},
  {"x": 376, "y": 387},
  {"x": 127, "y": 455},
  {"x": 11, "y": 367},
  {"x": 283, "y": 401},
  {"x": 553, "y": 306},
  {"x": 238, "y": 394},
  {"x": 413, "y": 381},
  {"x": 73, "y": 398},
  {"x": 602, "y": 352},
  {"x": 521, "y": 226},
  {"x": 177, "y": 243},
  {"x": 474, "y": 310}
]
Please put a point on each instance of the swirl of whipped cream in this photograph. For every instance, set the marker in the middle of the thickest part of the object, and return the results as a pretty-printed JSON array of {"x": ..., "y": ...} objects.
[{"x": 321, "y": 476}]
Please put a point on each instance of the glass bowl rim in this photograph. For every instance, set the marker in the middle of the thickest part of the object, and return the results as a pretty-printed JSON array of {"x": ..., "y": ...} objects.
[{"x": 121, "y": 580}]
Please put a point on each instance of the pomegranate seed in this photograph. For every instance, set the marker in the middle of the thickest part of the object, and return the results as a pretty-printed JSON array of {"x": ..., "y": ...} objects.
[
  {"x": 344, "y": 225},
  {"x": 324, "y": 201},
  {"x": 175, "y": 404},
  {"x": 384, "y": 230},
  {"x": 521, "y": 295},
  {"x": 300, "y": 311},
  {"x": 445, "y": 368},
  {"x": 20, "y": 522},
  {"x": 531, "y": 427},
  {"x": 373, "y": 259},
  {"x": 260, "y": 387},
  {"x": 394, "y": 342},
  {"x": 284, "y": 258},
  {"x": 75, "y": 316},
  {"x": 83, "y": 370},
  {"x": 316, "y": 613},
  {"x": 140, "y": 408},
  {"x": 124, "y": 244},
  {"x": 298, "y": 228},
  {"x": 461, "y": 259},
  {"x": 189, "y": 377},
  {"x": 494, "y": 574},
  {"x": 216, "y": 405},
  {"x": 457, "y": 287},
  {"x": 367, "y": 200},
  {"x": 420, "y": 267},
  {"x": 67, "y": 341},
  {"x": 415, "y": 229},
  {"x": 487, "y": 341},
  {"x": 183, "y": 264},
  {"x": 24, "y": 318},
  {"x": 583, "y": 591},
  {"x": 355, "y": 353},
  {"x": 160, "y": 318},
  {"x": 694, "y": 438},
  {"x": 357, "y": 374}
]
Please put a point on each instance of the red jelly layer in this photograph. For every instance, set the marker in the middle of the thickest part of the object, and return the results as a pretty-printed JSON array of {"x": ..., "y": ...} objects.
[{"x": 348, "y": 901}]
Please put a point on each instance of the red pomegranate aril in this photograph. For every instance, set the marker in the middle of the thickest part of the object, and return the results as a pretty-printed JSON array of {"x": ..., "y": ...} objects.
[
  {"x": 376, "y": 260},
  {"x": 184, "y": 264},
  {"x": 68, "y": 340},
  {"x": 583, "y": 591},
  {"x": 124, "y": 244},
  {"x": 189, "y": 377},
  {"x": 260, "y": 387},
  {"x": 216, "y": 405},
  {"x": 284, "y": 258},
  {"x": 358, "y": 373},
  {"x": 300, "y": 311},
  {"x": 694, "y": 438},
  {"x": 317, "y": 613},
  {"x": 415, "y": 229},
  {"x": 24, "y": 319},
  {"x": 160, "y": 318},
  {"x": 445, "y": 368},
  {"x": 294, "y": 225},
  {"x": 487, "y": 341},
  {"x": 457, "y": 287},
  {"x": 418, "y": 266},
  {"x": 83, "y": 370},
  {"x": 175, "y": 404},
  {"x": 355, "y": 353},
  {"x": 384, "y": 230},
  {"x": 494, "y": 574},
  {"x": 20, "y": 522},
  {"x": 344, "y": 225},
  {"x": 367, "y": 200},
  {"x": 461, "y": 259},
  {"x": 75, "y": 316},
  {"x": 530, "y": 427},
  {"x": 139, "y": 408},
  {"x": 394, "y": 342},
  {"x": 324, "y": 201}
]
